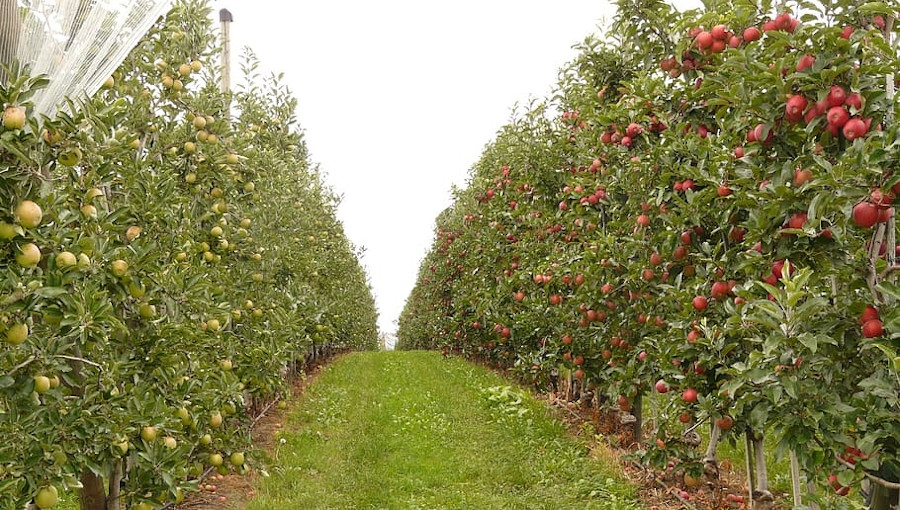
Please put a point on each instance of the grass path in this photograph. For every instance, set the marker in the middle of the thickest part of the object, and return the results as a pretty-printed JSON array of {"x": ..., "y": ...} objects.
[{"x": 408, "y": 430}]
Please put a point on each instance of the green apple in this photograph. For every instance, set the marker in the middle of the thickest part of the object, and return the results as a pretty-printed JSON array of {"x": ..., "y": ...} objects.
[
  {"x": 46, "y": 497},
  {"x": 149, "y": 433},
  {"x": 16, "y": 334}
]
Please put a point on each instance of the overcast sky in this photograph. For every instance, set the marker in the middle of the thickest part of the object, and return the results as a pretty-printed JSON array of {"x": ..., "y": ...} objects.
[{"x": 398, "y": 98}]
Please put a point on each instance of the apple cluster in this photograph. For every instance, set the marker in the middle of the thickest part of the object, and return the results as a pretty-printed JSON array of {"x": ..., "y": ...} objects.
[{"x": 717, "y": 39}]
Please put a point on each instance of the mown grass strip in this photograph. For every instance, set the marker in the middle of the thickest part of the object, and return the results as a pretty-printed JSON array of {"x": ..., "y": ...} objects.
[{"x": 406, "y": 430}]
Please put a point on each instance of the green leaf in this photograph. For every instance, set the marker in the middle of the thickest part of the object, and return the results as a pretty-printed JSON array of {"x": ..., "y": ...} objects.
[
  {"x": 810, "y": 342},
  {"x": 51, "y": 292}
]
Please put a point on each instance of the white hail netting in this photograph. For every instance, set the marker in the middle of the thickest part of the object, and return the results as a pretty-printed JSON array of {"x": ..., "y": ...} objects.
[{"x": 76, "y": 43}]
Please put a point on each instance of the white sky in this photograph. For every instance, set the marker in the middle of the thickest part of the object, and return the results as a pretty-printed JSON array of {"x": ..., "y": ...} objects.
[{"x": 398, "y": 98}]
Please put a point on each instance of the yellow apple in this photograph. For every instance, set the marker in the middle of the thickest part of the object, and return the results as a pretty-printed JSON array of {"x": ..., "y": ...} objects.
[
  {"x": 66, "y": 259},
  {"x": 41, "y": 384},
  {"x": 13, "y": 117},
  {"x": 132, "y": 233},
  {"x": 7, "y": 230},
  {"x": 119, "y": 267},
  {"x": 29, "y": 214},
  {"x": 29, "y": 255}
]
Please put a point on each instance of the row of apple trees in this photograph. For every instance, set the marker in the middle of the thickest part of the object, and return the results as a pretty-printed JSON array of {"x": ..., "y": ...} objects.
[
  {"x": 169, "y": 259},
  {"x": 703, "y": 209}
]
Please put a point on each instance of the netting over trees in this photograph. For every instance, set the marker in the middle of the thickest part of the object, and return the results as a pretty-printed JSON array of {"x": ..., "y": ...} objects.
[{"x": 77, "y": 44}]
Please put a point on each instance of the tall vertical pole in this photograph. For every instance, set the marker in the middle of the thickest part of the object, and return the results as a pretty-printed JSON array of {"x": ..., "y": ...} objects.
[{"x": 226, "y": 19}]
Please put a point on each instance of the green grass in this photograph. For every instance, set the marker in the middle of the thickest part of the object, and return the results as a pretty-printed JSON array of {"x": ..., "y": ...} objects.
[{"x": 407, "y": 430}]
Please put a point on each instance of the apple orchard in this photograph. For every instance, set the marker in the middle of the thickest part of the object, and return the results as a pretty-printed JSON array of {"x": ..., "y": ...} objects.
[
  {"x": 170, "y": 260},
  {"x": 700, "y": 216}
]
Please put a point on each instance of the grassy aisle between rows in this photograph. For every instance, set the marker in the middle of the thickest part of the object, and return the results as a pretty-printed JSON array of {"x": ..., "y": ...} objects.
[{"x": 406, "y": 430}]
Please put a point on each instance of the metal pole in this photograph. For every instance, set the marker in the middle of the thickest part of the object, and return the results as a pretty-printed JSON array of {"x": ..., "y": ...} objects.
[{"x": 226, "y": 19}]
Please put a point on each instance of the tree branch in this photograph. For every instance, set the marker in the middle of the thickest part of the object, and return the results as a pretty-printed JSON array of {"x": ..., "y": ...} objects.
[
  {"x": 22, "y": 365},
  {"x": 82, "y": 360},
  {"x": 870, "y": 476}
]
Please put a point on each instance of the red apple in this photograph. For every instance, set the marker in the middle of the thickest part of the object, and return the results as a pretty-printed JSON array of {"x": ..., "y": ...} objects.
[
  {"x": 806, "y": 61},
  {"x": 704, "y": 40},
  {"x": 872, "y": 328},
  {"x": 802, "y": 176},
  {"x": 719, "y": 32},
  {"x": 854, "y": 128},
  {"x": 836, "y": 96},
  {"x": 661, "y": 386},
  {"x": 837, "y": 116},
  {"x": 700, "y": 303},
  {"x": 797, "y": 220},
  {"x": 751, "y": 34},
  {"x": 725, "y": 422},
  {"x": 854, "y": 100},
  {"x": 794, "y": 108},
  {"x": 869, "y": 313},
  {"x": 719, "y": 290},
  {"x": 865, "y": 214}
]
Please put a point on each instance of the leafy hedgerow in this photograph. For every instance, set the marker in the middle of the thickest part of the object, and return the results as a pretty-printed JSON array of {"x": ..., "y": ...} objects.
[{"x": 702, "y": 208}]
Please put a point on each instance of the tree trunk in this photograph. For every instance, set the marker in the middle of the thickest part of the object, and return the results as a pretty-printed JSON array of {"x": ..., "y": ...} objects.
[
  {"x": 710, "y": 463},
  {"x": 762, "y": 498},
  {"x": 883, "y": 498},
  {"x": 811, "y": 489},
  {"x": 115, "y": 485},
  {"x": 92, "y": 494},
  {"x": 636, "y": 411}
]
